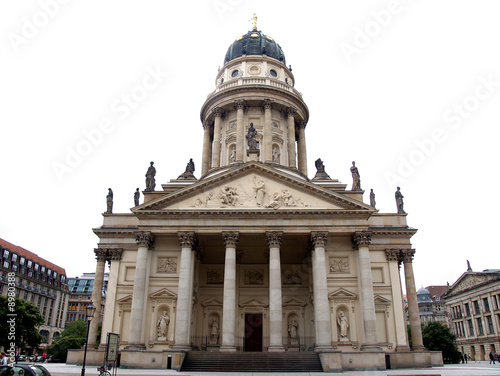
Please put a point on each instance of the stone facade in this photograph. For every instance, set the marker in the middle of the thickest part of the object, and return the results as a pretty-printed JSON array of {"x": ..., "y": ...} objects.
[
  {"x": 473, "y": 305},
  {"x": 255, "y": 256}
]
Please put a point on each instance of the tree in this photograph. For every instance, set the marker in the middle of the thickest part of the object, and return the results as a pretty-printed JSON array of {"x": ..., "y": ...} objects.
[
  {"x": 438, "y": 337},
  {"x": 19, "y": 323},
  {"x": 73, "y": 337}
]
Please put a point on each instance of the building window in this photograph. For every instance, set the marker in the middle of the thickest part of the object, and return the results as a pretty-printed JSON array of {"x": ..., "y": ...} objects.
[
  {"x": 486, "y": 305},
  {"x": 467, "y": 309},
  {"x": 477, "y": 311},
  {"x": 490, "y": 324},
  {"x": 6, "y": 253},
  {"x": 480, "y": 326},
  {"x": 471, "y": 328},
  {"x": 22, "y": 260}
]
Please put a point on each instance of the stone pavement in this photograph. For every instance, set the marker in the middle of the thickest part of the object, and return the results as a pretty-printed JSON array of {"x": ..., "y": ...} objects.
[{"x": 482, "y": 368}]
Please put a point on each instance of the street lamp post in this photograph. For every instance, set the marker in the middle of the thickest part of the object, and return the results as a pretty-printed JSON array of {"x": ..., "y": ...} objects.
[{"x": 90, "y": 310}]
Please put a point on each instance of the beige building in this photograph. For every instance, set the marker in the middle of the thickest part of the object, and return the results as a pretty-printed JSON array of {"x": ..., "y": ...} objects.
[
  {"x": 473, "y": 303},
  {"x": 38, "y": 281},
  {"x": 256, "y": 256}
]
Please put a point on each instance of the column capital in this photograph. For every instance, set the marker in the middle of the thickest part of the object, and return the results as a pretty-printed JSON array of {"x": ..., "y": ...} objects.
[
  {"x": 187, "y": 238},
  {"x": 407, "y": 255},
  {"x": 362, "y": 239},
  {"x": 393, "y": 254},
  {"x": 144, "y": 239},
  {"x": 115, "y": 254},
  {"x": 302, "y": 124},
  {"x": 230, "y": 238},
  {"x": 101, "y": 254},
  {"x": 267, "y": 104},
  {"x": 207, "y": 125},
  {"x": 240, "y": 104},
  {"x": 319, "y": 238},
  {"x": 290, "y": 111},
  {"x": 217, "y": 112},
  {"x": 274, "y": 238}
]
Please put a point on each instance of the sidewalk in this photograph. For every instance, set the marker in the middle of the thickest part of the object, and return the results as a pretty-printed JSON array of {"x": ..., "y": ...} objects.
[{"x": 481, "y": 368}]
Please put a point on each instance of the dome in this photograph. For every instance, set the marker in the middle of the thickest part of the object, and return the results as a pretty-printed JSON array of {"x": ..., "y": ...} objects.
[
  {"x": 255, "y": 43},
  {"x": 423, "y": 291}
]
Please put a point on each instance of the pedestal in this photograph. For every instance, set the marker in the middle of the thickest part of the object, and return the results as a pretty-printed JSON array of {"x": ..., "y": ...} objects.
[{"x": 253, "y": 154}]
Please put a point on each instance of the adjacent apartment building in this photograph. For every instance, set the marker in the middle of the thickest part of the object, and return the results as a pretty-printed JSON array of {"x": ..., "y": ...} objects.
[{"x": 38, "y": 281}]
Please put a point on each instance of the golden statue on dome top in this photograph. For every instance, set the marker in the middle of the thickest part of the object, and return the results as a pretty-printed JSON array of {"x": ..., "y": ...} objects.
[{"x": 254, "y": 21}]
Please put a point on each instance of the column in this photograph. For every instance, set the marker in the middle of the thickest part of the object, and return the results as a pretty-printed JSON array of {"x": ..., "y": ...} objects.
[
  {"x": 292, "y": 158},
  {"x": 184, "y": 294},
  {"x": 240, "y": 145},
  {"x": 392, "y": 256},
  {"x": 229, "y": 301},
  {"x": 411, "y": 295},
  {"x": 114, "y": 258},
  {"x": 301, "y": 148},
  {"x": 217, "y": 111},
  {"x": 362, "y": 240},
  {"x": 275, "y": 305},
  {"x": 144, "y": 241},
  {"x": 268, "y": 131},
  {"x": 320, "y": 290},
  {"x": 207, "y": 149},
  {"x": 101, "y": 256}
]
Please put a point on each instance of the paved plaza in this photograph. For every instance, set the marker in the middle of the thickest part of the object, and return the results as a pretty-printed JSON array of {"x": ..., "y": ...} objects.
[{"x": 470, "y": 369}]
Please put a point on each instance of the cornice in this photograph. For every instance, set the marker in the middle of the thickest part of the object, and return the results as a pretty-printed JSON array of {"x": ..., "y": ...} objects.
[
  {"x": 395, "y": 232},
  {"x": 229, "y": 93}
]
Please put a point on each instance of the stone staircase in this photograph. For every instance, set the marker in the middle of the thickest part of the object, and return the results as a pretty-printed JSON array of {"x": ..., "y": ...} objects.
[{"x": 202, "y": 361}]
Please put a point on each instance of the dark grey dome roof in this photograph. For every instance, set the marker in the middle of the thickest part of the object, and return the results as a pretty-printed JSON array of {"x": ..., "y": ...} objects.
[{"x": 255, "y": 43}]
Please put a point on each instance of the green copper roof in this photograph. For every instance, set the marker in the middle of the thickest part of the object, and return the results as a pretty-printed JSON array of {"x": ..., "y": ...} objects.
[{"x": 255, "y": 43}]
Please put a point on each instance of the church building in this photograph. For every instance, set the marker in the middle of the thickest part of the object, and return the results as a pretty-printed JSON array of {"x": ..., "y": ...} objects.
[{"x": 257, "y": 255}]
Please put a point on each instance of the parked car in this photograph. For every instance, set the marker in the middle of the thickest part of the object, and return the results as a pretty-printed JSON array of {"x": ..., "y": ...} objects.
[{"x": 24, "y": 370}]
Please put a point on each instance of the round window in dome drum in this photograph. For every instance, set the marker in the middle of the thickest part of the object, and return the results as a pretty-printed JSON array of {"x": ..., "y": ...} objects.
[
  {"x": 273, "y": 73},
  {"x": 235, "y": 73}
]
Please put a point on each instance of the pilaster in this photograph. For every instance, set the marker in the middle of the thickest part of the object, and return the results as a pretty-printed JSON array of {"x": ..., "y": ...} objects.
[
  {"x": 268, "y": 137},
  {"x": 292, "y": 158}
]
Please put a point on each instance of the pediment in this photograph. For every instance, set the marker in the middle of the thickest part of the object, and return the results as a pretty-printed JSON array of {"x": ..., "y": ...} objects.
[
  {"x": 470, "y": 280},
  {"x": 253, "y": 303},
  {"x": 294, "y": 302},
  {"x": 342, "y": 293},
  {"x": 212, "y": 302},
  {"x": 378, "y": 299},
  {"x": 125, "y": 300},
  {"x": 253, "y": 186},
  {"x": 163, "y": 294}
]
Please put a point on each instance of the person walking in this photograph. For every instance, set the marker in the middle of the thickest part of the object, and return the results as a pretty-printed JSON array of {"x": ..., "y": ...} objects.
[{"x": 492, "y": 358}]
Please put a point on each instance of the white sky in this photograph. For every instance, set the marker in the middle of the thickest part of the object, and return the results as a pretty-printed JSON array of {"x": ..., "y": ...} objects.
[{"x": 428, "y": 57}]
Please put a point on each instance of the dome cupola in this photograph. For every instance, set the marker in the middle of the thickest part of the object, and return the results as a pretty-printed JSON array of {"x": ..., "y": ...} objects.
[{"x": 255, "y": 43}]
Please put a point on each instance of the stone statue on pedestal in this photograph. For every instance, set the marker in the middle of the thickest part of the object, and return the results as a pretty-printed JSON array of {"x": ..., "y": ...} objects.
[
  {"x": 252, "y": 137},
  {"x": 137, "y": 196},
  {"x": 356, "y": 180},
  {"x": 399, "y": 201},
  {"x": 293, "y": 327},
  {"x": 109, "y": 202},
  {"x": 214, "y": 331},
  {"x": 344, "y": 325},
  {"x": 162, "y": 326},
  {"x": 188, "y": 173},
  {"x": 320, "y": 171},
  {"x": 150, "y": 178},
  {"x": 372, "y": 198}
]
